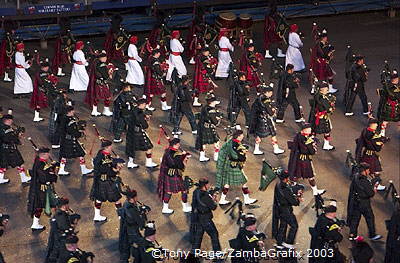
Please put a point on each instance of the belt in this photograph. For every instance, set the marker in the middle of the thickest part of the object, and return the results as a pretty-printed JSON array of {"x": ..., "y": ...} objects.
[
  {"x": 9, "y": 146},
  {"x": 43, "y": 187},
  {"x": 176, "y": 53},
  {"x": 370, "y": 152},
  {"x": 132, "y": 58},
  {"x": 19, "y": 66},
  {"x": 103, "y": 177},
  {"x": 224, "y": 49},
  {"x": 79, "y": 62},
  {"x": 305, "y": 157},
  {"x": 172, "y": 171}
]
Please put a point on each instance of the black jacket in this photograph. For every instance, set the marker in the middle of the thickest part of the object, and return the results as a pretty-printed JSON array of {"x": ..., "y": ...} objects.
[
  {"x": 184, "y": 99},
  {"x": 202, "y": 206}
]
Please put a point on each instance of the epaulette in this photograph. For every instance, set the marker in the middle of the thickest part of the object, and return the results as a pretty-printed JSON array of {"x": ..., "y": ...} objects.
[
  {"x": 254, "y": 238},
  {"x": 333, "y": 227}
]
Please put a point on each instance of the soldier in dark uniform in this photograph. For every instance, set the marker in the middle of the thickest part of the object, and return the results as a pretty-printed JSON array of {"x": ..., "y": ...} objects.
[
  {"x": 147, "y": 254},
  {"x": 64, "y": 47},
  {"x": 98, "y": 89},
  {"x": 104, "y": 187},
  {"x": 393, "y": 237},
  {"x": 326, "y": 236},
  {"x": 182, "y": 105},
  {"x": 368, "y": 146},
  {"x": 356, "y": 86},
  {"x": 132, "y": 221},
  {"x": 7, "y": 49},
  {"x": 248, "y": 239},
  {"x": 61, "y": 225},
  {"x": 389, "y": 104},
  {"x": 57, "y": 113},
  {"x": 203, "y": 71},
  {"x": 322, "y": 107},
  {"x": 154, "y": 80},
  {"x": 170, "y": 180},
  {"x": 359, "y": 203},
  {"x": 302, "y": 148},
  {"x": 239, "y": 100},
  {"x": 70, "y": 253},
  {"x": 123, "y": 106},
  {"x": 9, "y": 153},
  {"x": 288, "y": 83},
  {"x": 262, "y": 124},
  {"x": 203, "y": 203},
  {"x": 3, "y": 224},
  {"x": 362, "y": 251},
  {"x": 137, "y": 138},
  {"x": 207, "y": 134},
  {"x": 284, "y": 200},
  {"x": 250, "y": 63},
  {"x": 41, "y": 191},
  {"x": 71, "y": 129}
]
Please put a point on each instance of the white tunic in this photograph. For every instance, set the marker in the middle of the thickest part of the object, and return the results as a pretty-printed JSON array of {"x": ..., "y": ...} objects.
[
  {"x": 224, "y": 58},
  {"x": 175, "y": 61},
  {"x": 79, "y": 77},
  {"x": 23, "y": 82},
  {"x": 293, "y": 54},
  {"x": 135, "y": 73}
]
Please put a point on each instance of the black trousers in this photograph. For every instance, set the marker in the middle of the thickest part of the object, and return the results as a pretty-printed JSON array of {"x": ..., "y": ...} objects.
[
  {"x": 211, "y": 230},
  {"x": 135, "y": 241},
  {"x": 190, "y": 116},
  {"x": 121, "y": 125},
  {"x": 352, "y": 97},
  {"x": 287, "y": 219},
  {"x": 292, "y": 100},
  {"x": 363, "y": 209},
  {"x": 246, "y": 110}
]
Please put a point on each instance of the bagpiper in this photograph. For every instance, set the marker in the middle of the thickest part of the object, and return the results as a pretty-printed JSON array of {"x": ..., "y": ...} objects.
[
  {"x": 136, "y": 136},
  {"x": 116, "y": 40},
  {"x": 7, "y": 49},
  {"x": 389, "y": 104},
  {"x": 250, "y": 63},
  {"x": 368, "y": 146},
  {"x": 175, "y": 58},
  {"x": 293, "y": 53},
  {"x": 135, "y": 73},
  {"x": 272, "y": 31},
  {"x": 79, "y": 77},
  {"x": 356, "y": 86},
  {"x": 302, "y": 148},
  {"x": 149, "y": 245},
  {"x": 70, "y": 253},
  {"x": 209, "y": 119},
  {"x": 41, "y": 190},
  {"x": 204, "y": 69},
  {"x": 123, "y": 106},
  {"x": 71, "y": 129},
  {"x": 44, "y": 90},
  {"x": 101, "y": 73},
  {"x": 239, "y": 100},
  {"x": 64, "y": 47},
  {"x": 170, "y": 180},
  {"x": 197, "y": 30},
  {"x": 10, "y": 156},
  {"x": 224, "y": 58},
  {"x": 104, "y": 187},
  {"x": 262, "y": 125},
  {"x": 322, "y": 107},
  {"x": 231, "y": 161},
  {"x": 154, "y": 81},
  {"x": 22, "y": 82},
  {"x": 57, "y": 113}
]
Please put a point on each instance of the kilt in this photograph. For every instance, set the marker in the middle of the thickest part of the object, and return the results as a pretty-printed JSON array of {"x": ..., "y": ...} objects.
[
  {"x": 171, "y": 184},
  {"x": 39, "y": 100},
  {"x": 202, "y": 85},
  {"x": 304, "y": 169},
  {"x": 233, "y": 176},
  {"x": 208, "y": 136},
  {"x": 324, "y": 126},
  {"x": 51, "y": 199},
  {"x": 71, "y": 149},
  {"x": 264, "y": 128},
  {"x": 137, "y": 141},
  {"x": 104, "y": 191},
  {"x": 10, "y": 157},
  {"x": 322, "y": 70},
  {"x": 252, "y": 77},
  {"x": 390, "y": 111},
  {"x": 102, "y": 92},
  {"x": 373, "y": 161},
  {"x": 155, "y": 87}
]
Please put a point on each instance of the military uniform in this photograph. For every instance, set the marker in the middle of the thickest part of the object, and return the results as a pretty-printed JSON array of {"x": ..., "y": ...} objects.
[
  {"x": 369, "y": 144},
  {"x": 146, "y": 252},
  {"x": 9, "y": 153},
  {"x": 204, "y": 68},
  {"x": 63, "y": 49},
  {"x": 77, "y": 256},
  {"x": 393, "y": 238},
  {"x": 182, "y": 105},
  {"x": 240, "y": 101},
  {"x": 7, "y": 51},
  {"x": 154, "y": 78},
  {"x": 389, "y": 104},
  {"x": 287, "y": 95},
  {"x": 262, "y": 112},
  {"x": 57, "y": 113},
  {"x": 136, "y": 137},
  {"x": 250, "y": 64},
  {"x": 320, "y": 60},
  {"x": 208, "y": 121},
  {"x": 356, "y": 86},
  {"x": 322, "y": 106},
  {"x": 247, "y": 241},
  {"x": 122, "y": 109},
  {"x": 300, "y": 160},
  {"x": 70, "y": 133}
]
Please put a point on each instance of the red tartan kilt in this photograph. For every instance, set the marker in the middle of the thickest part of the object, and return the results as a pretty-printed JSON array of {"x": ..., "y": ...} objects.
[
  {"x": 202, "y": 85},
  {"x": 39, "y": 100},
  {"x": 103, "y": 92},
  {"x": 64, "y": 59},
  {"x": 118, "y": 55},
  {"x": 155, "y": 87},
  {"x": 304, "y": 170},
  {"x": 253, "y": 78},
  {"x": 374, "y": 163},
  {"x": 322, "y": 70},
  {"x": 173, "y": 184},
  {"x": 7, "y": 62}
]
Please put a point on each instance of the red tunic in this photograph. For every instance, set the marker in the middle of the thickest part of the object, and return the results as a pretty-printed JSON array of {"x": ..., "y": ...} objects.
[
  {"x": 201, "y": 82},
  {"x": 270, "y": 35}
]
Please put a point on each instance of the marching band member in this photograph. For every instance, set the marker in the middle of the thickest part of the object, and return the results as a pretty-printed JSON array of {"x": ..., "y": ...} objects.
[
  {"x": 271, "y": 35},
  {"x": 7, "y": 49},
  {"x": 293, "y": 54},
  {"x": 224, "y": 58},
  {"x": 23, "y": 82},
  {"x": 135, "y": 73},
  {"x": 64, "y": 47},
  {"x": 175, "y": 59},
  {"x": 79, "y": 77},
  {"x": 250, "y": 63}
]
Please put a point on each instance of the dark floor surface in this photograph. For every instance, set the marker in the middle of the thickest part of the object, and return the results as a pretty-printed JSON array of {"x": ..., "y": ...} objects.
[{"x": 373, "y": 35}]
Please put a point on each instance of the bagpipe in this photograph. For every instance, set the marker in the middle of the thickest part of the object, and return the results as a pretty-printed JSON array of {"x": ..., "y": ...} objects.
[
  {"x": 52, "y": 165},
  {"x": 117, "y": 159}
]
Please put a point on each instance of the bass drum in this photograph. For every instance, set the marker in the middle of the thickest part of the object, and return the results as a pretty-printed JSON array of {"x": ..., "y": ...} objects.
[
  {"x": 227, "y": 20},
  {"x": 245, "y": 24}
]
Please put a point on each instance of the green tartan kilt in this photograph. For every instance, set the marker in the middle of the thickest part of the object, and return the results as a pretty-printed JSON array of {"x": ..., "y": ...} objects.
[
  {"x": 51, "y": 199},
  {"x": 229, "y": 175}
]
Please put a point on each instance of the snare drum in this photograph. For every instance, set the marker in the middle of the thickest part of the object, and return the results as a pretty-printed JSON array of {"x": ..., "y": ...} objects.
[
  {"x": 227, "y": 20},
  {"x": 245, "y": 21}
]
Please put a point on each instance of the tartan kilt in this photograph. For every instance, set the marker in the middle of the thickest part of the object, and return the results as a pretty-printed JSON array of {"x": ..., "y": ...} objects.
[
  {"x": 155, "y": 87},
  {"x": 137, "y": 141},
  {"x": 71, "y": 149},
  {"x": 233, "y": 176},
  {"x": 390, "y": 113},
  {"x": 39, "y": 100},
  {"x": 265, "y": 128},
  {"x": 102, "y": 92},
  {"x": 324, "y": 126},
  {"x": 104, "y": 191},
  {"x": 373, "y": 161},
  {"x": 209, "y": 136},
  {"x": 10, "y": 158},
  {"x": 202, "y": 84},
  {"x": 252, "y": 77},
  {"x": 171, "y": 184},
  {"x": 304, "y": 169},
  {"x": 322, "y": 70}
]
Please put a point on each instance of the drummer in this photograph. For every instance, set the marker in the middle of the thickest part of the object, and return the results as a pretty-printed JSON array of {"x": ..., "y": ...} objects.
[{"x": 224, "y": 57}]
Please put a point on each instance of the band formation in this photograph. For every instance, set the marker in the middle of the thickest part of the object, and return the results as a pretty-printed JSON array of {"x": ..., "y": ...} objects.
[{"x": 124, "y": 79}]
